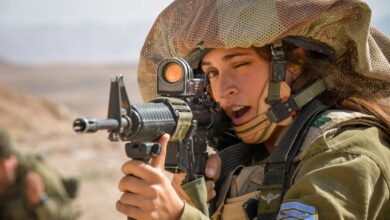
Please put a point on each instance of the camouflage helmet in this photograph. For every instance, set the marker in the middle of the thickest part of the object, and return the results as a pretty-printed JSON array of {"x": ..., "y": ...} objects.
[
  {"x": 5, "y": 144},
  {"x": 343, "y": 25}
]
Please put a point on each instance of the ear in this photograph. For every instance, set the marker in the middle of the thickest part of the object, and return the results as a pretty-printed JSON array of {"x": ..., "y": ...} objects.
[{"x": 294, "y": 69}]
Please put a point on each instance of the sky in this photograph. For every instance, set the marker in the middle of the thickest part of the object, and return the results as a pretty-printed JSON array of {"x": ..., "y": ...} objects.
[
  {"x": 92, "y": 30},
  {"x": 32, "y": 12},
  {"x": 380, "y": 9},
  {"x": 23, "y": 12}
]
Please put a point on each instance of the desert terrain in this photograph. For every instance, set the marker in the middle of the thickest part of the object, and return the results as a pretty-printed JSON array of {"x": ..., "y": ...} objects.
[{"x": 37, "y": 107}]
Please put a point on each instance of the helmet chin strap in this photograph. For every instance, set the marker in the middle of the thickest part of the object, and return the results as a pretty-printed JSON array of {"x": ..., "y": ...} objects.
[
  {"x": 277, "y": 73},
  {"x": 260, "y": 128},
  {"x": 281, "y": 105},
  {"x": 283, "y": 109}
]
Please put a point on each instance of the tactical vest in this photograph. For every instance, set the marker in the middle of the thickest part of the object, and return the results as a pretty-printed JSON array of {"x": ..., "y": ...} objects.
[{"x": 250, "y": 192}]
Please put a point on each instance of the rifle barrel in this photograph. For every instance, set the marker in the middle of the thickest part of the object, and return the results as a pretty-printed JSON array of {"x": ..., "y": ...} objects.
[{"x": 90, "y": 125}]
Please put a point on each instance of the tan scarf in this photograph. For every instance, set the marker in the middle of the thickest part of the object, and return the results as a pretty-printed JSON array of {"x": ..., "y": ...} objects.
[{"x": 260, "y": 128}]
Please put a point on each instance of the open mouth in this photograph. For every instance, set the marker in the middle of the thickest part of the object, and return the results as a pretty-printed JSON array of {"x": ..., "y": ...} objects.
[{"x": 238, "y": 114}]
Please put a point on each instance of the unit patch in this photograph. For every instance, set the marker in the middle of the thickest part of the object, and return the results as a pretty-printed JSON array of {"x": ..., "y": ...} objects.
[
  {"x": 321, "y": 121},
  {"x": 269, "y": 197},
  {"x": 296, "y": 210}
]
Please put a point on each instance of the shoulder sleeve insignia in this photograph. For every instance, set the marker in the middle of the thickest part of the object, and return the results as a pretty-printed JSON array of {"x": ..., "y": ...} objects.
[
  {"x": 269, "y": 197},
  {"x": 297, "y": 210},
  {"x": 319, "y": 122}
]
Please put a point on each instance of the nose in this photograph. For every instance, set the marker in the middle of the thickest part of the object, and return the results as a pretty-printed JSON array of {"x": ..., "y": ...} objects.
[{"x": 227, "y": 86}]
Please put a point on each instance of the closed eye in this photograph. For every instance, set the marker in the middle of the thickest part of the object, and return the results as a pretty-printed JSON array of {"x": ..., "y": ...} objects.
[{"x": 241, "y": 64}]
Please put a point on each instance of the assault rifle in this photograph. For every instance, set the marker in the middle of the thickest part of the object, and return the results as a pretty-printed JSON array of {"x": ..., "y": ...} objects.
[{"x": 183, "y": 109}]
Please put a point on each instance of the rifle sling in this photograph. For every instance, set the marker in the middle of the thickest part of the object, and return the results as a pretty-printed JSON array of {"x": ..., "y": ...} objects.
[{"x": 276, "y": 180}]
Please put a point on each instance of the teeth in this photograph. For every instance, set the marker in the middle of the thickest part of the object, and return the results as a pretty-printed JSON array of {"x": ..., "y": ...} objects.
[{"x": 237, "y": 108}]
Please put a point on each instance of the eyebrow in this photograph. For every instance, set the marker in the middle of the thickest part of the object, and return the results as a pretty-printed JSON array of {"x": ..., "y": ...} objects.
[{"x": 226, "y": 58}]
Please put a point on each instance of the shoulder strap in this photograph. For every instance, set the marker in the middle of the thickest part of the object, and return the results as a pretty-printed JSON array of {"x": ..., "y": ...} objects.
[
  {"x": 240, "y": 154},
  {"x": 276, "y": 180}
]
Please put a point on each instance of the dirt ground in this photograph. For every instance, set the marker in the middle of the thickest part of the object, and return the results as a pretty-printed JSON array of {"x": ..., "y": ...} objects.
[{"x": 37, "y": 107}]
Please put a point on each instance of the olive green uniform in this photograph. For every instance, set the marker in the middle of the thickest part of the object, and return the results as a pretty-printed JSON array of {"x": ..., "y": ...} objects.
[
  {"x": 342, "y": 172},
  {"x": 57, "y": 203}
]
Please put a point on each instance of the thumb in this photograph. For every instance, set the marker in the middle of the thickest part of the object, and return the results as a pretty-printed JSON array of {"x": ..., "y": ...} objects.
[{"x": 159, "y": 161}]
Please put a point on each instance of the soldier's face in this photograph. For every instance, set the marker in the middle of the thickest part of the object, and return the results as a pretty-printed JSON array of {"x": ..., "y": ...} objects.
[
  {"x": 237, "y": 78},
  {"x": 8, "y": 166}
]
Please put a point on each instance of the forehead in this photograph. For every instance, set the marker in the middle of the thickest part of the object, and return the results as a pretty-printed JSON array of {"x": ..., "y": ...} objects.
[{"x": 221, "y": 53}]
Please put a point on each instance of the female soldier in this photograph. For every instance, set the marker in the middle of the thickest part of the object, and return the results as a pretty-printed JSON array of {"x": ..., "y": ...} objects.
[{"x": 304, "y": 84}]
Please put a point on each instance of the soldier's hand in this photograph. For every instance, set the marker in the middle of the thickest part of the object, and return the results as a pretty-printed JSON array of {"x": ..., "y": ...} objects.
[
  {"x": 147, "y": 192},
  {"x": 213, "y": 171},
  {"x": 34, "y": 188}
]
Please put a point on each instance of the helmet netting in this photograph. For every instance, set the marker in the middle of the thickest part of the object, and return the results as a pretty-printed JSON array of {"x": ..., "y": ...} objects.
[{"x": 344, "y": 25}]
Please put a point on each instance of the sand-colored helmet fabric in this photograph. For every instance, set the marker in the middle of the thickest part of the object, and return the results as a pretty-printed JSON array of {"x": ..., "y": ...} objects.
[{"x": 343, "y": 25}]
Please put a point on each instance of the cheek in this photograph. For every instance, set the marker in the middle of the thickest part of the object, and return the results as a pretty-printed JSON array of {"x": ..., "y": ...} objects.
[
  {"x": 255, "y": 86},
  {"x": 213, "y": 87}
]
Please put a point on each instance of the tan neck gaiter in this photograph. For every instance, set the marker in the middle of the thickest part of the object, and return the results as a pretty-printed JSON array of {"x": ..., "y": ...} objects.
[{"x": 260, "y": 128}]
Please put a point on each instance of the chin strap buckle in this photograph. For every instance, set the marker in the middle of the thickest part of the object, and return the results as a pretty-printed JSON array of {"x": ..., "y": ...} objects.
[
  {"x": 282, "y": 110},
  {"x": 277, "y": 73}
]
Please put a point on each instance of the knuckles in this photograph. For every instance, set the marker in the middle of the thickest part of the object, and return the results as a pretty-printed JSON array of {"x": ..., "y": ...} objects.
[{"x": 129, "y": 166}]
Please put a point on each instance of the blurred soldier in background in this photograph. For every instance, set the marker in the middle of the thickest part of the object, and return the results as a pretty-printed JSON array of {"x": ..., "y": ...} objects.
[{"x": 30, "y": 189}]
